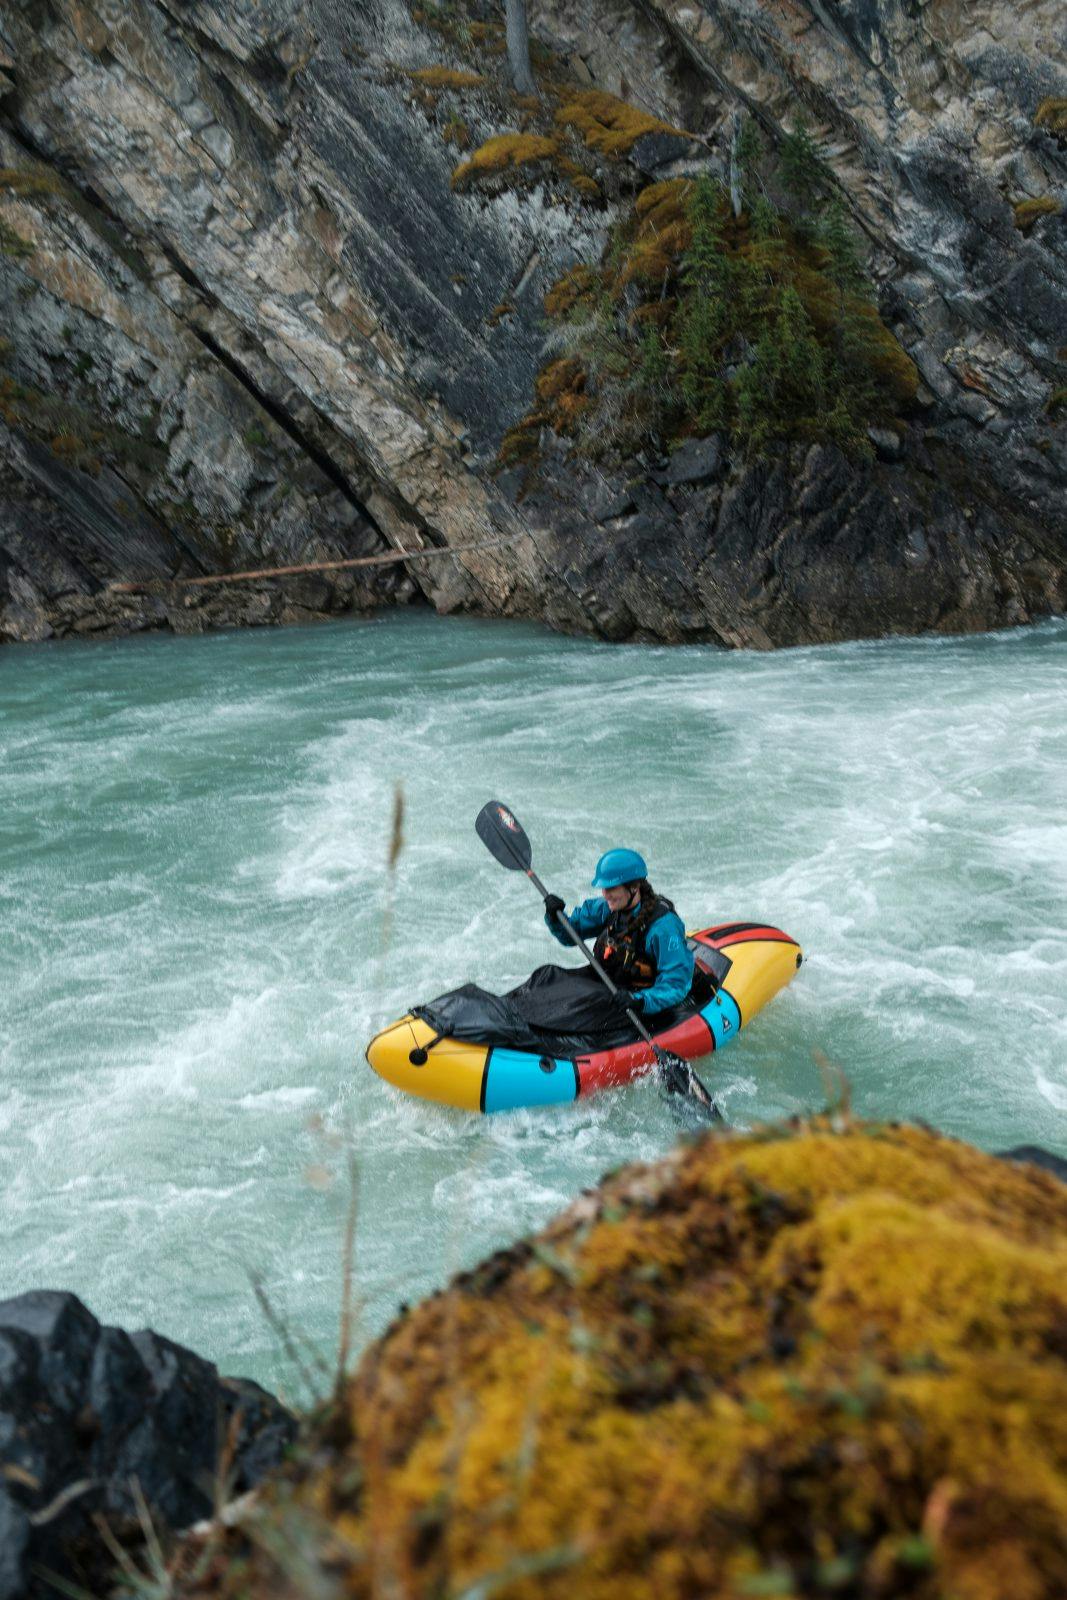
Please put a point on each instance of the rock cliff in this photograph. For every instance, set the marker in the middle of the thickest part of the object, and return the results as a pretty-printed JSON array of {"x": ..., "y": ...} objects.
[
  {"x": 251, "y": 321},
  {"x": 822, "y": 1360}
]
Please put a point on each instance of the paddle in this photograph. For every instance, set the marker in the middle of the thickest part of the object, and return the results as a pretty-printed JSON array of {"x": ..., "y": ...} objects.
[{"x": 505, "y": 838}]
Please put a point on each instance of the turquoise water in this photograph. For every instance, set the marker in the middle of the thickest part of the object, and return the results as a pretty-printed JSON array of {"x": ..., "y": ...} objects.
[{"x": 193, "y": 892}]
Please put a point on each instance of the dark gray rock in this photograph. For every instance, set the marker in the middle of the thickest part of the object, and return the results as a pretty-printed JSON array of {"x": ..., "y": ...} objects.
[
  {"x": 1037, "y": 1157},
  {"x": 696, "y": 461},
  {"x": 654, "y": 151},
  {"x": 14, "y": 1547},
  {"x": 86, "y": 1412}
]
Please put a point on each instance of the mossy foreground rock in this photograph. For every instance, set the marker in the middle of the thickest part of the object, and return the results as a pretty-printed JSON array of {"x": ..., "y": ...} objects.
[{"x": 808, "y": 1363}]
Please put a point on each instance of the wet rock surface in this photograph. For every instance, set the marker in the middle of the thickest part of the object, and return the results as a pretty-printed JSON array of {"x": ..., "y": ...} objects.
[
  {"x": 249, "y": 323},
  {"x": 91, "y": 1418}
]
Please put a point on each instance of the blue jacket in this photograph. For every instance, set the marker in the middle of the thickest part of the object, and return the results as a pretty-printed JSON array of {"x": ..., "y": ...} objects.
[{"x": 664, "y": 941}]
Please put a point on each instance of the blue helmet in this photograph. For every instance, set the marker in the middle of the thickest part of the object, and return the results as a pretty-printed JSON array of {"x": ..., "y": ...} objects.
[{"x": 617, "y": 867}]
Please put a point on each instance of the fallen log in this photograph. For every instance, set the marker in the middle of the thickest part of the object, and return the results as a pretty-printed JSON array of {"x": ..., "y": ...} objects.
[{"x": 145, "y": 584}]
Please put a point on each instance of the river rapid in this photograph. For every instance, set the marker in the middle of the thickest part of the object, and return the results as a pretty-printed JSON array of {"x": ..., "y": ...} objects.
[{"x": 200, "y": 931}]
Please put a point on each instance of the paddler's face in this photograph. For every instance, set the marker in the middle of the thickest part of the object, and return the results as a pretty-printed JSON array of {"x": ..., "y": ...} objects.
[{"x": 618, "y": 898}]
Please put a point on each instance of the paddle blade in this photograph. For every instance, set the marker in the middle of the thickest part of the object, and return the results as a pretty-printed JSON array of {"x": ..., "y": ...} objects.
[
  {"x": 502, "y": 834},
  {"x": 678, "y": 1077}
]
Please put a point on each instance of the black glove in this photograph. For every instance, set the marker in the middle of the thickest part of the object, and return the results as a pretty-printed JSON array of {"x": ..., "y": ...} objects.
[
  {"x": 625, "y": 1001},
  {"x": 553, "y": 906}
]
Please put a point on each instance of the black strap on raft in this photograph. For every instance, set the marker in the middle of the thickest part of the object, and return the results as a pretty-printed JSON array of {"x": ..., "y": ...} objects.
[{"x": 421, "y": 1053}]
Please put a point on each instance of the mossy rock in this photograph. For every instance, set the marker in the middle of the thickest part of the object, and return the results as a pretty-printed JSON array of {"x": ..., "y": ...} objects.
[{"x": 818, "y": 1360}]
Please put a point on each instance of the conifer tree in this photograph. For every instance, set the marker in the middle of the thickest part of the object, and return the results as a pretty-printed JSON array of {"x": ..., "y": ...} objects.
[
  {"x": 710, "y": 306},
  {"x": 782, "y": 391},
  {"x": 837, "y": 239},
  {"x": 655, "y": 380},
  {"x": 803, "y": 170}
]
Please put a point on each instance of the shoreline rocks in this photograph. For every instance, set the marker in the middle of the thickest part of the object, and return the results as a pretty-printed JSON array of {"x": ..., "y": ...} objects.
[{"x": 87, "y": 1412}]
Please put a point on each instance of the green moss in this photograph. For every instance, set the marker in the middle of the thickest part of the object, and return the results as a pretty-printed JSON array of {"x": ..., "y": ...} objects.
[
  {"x": 1028, "y": 211},
  {"x": 1057, "y": 402},
  {"x": 32, "y": 183},
  {"x": 575, "y": 286},
  {"x": 12, "y": 244},
  {"x": 255, "y": 437}
]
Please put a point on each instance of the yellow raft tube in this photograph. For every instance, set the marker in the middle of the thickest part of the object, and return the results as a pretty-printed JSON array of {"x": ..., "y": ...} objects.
[{"x": 740, "y": 966}]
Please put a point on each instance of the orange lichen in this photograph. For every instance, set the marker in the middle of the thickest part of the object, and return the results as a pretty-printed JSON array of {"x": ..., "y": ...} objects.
[
  {"x": 608, "y": 125},
  {"x": 504, "y": 151},
  {"x": 575, "y": 284},
  {"x": 813, "y": 1361}
]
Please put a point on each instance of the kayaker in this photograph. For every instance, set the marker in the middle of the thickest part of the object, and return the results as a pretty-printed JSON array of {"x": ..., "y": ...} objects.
[{"x": 640, "y": 937}]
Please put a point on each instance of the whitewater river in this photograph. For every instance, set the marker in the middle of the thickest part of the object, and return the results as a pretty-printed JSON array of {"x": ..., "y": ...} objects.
[{"x": 196, "y": 941}]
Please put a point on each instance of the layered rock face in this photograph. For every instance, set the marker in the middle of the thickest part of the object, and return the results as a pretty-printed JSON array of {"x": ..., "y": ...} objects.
[
  {"x": 96, "y": 1423},
  {"x": 809, "y": 1361},
  {"x": 250, "y": 322}
]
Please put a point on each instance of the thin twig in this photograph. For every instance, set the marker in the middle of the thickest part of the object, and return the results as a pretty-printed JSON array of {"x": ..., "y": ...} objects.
[
  {"x": 281, "y": 1330},
  {"x": 344, "y": 1344}
]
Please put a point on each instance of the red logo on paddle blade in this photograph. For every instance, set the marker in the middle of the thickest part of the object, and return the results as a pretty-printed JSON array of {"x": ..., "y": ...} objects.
[{"x": 507, "y": 819}]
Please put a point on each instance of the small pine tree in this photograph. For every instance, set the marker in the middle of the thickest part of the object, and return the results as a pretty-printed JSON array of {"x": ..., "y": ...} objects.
[
  {"x": 802, "y": 169},
  {"x": 655, "y": 381},
  {"x": 782, "y": 392},
  {"x": 709, "y": 305},
  {"x": 749, "y": 152},
  {"x": 838, "y": 240}
]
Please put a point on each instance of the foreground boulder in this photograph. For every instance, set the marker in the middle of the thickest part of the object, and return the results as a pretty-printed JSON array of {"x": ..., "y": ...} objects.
[
  {"x": 93, "y": 1419},
  {"x": 818, "y": 1361}
]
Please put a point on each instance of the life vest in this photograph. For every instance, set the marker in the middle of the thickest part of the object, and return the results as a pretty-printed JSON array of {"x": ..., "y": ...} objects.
[{"x": 621, "y": 948}]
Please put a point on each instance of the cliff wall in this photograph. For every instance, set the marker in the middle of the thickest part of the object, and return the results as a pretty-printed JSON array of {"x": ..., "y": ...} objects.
[{"x": 249, "y": 321}]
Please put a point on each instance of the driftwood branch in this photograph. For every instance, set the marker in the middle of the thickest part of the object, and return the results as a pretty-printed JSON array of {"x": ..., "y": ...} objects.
[{"x": 314, "y": 566}]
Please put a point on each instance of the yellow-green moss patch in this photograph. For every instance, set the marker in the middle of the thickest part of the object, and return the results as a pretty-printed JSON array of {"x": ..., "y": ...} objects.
[
  {"x": 804, "y": 1362},
  {"x": 575, "y": 284},
  {"x": 1028, "y": 211},
  {"x": 501, "y": 152},
  {"x": 30, "y": 184},
  {"x": 447, "y": 78},
  {"x": 608, "y": 125},
  {"x": 1052, "y": 114}
]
